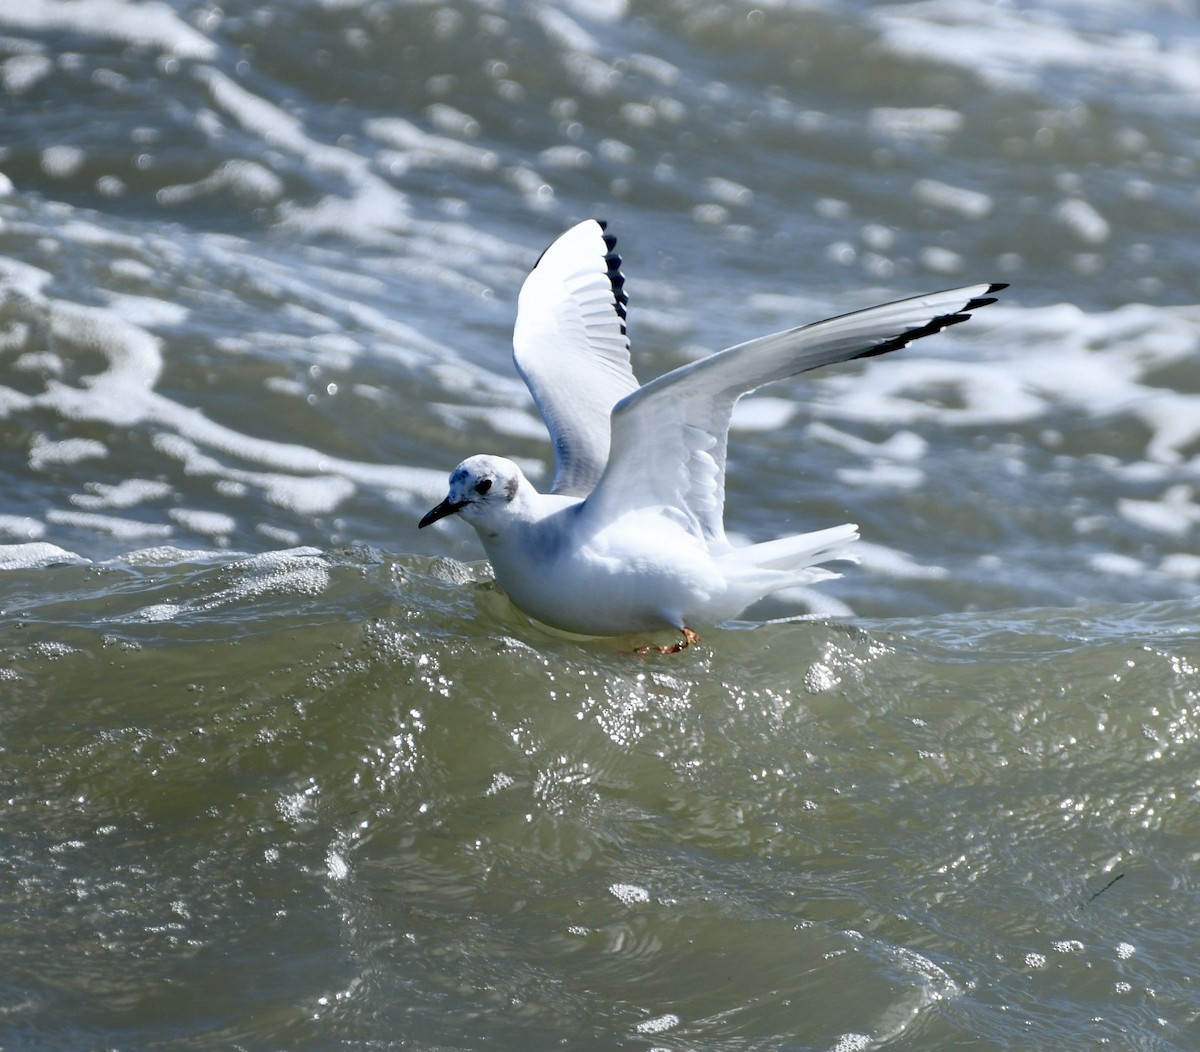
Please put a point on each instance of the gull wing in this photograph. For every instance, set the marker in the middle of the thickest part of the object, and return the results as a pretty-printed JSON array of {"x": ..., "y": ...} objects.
[
  {"x": 669, "y": 436},
  {"x": 571, "y": 349}
]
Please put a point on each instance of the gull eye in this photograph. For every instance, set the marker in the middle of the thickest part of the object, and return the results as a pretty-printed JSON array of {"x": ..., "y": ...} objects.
[{"x": 483, "y": 485}]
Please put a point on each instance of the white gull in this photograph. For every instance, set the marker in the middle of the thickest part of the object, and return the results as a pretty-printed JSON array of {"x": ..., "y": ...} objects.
[{"x": 630, "y": 537}]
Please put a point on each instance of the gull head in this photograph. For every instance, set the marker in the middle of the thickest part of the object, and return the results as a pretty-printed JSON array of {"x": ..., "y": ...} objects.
[{"x": 482, "y": 490}]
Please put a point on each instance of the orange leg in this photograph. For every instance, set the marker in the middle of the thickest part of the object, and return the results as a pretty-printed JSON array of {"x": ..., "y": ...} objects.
[{"x": 689, "y": 637}]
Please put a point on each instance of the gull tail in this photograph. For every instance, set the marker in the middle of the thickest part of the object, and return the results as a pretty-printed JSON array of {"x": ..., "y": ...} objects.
[{"x": 797, "y": 552}]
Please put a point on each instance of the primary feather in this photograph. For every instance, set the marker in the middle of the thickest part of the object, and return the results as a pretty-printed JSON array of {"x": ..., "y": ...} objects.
[
  {"x": 683, "y": 416},
  {"x": 571, "y": 349}
]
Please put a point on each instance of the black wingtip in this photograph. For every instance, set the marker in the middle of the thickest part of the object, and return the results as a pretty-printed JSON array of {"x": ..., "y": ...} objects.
[
  {"x": 936, "y": 325},
  {"x": 980, "y": 301},
  {"x": 613, "y": 262},
  {"x": 983, "y": 301}
]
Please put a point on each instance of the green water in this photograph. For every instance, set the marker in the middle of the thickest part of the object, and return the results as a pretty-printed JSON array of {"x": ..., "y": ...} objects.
[{"x": 363, "y": 803}]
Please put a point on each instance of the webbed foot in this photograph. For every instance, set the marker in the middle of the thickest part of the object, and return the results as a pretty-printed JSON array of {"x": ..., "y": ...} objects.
[{"x": 689, "y": 637}]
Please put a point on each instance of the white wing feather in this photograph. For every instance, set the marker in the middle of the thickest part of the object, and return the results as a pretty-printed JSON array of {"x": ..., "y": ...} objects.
[
  {"x": 669, "y": 437},
  {"x": 571, "y": 349}
]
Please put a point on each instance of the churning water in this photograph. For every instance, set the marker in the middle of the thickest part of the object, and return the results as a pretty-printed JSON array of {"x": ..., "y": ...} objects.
[{"x": 279, "y": 772}]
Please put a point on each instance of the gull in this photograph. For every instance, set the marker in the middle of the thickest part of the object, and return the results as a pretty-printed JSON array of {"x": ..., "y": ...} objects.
[{"x": 631, "y": 537}]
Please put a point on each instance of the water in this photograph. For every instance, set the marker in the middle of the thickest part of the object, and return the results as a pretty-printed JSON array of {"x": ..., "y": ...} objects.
[{"x": 280, "y": 772}]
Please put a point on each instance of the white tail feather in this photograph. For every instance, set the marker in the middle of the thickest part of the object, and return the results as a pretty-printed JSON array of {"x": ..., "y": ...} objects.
[{"x": 797, "y": 551}]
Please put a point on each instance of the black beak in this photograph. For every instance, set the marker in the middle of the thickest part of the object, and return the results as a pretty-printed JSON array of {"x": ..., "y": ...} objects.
[{"x": 447, "y": 507}]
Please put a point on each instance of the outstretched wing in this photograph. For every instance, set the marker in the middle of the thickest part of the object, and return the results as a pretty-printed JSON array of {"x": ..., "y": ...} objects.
[
  {"x": 570, "y": 347},
  {"x": 669, "y": 436}
]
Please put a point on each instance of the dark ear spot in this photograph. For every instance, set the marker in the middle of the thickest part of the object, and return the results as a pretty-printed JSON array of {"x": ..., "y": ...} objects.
[
  {"x": 510, "y": 488},
  {"x": 483, "y": 485}
]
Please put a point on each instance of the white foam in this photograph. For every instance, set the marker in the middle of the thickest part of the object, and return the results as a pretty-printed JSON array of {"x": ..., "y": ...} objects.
[
  {"x": 277, "y": 534},
  {"x": 1098, "y": 366},
  {"x": 122, "y": 395},
  {"x": 1183, "y": 565},
  {"x": 158, "y": 612},
  {"x": 616, "y": 151},
  {"x": 314, "y": 488},
  {"x": 941, "y": 260},
  {"x": 301, "y": 572},
  {"x": 84, "y": 232},
  {"x": 504, "y": 420},
  {"x": 565, "y": 157},
  {"x": 249, "y": 182},
  {"x": 322, "y": 299},
  {"x": 125, "y": 494},
  {"x": 629, "y": 894},
  {"x": 1083, "y": 221},
  {"x": 1117, "y": 564},
  {"x": 657, "y": 69},
  {"x": 44, "y": 453},
  {"x": 600, "y": 10},
  {"x": 423, "y": 148},
  {"x": 170, "y": 555},
  {"x": 373, "y": 209},
  {"x": 892, "y": 563},
  {"x": 1176, "y": 514},
  {"x": 316, "y": 495},
  {"x": 906, "y": 446},
  {"x": 1174, "y": 420},
  {"x": 1011, "y": 47},
  {"x": 273, "y": 126},
  {"x": 22, "y": 526},
  {"x": 971, "y": 204},
  {"x": 814, "y": 601},
  {"x": 62, "y": 161},
  {"x": 210, "y": 523},
  {"x": 21, "y": 72},
  {"x": 34, "y": 554},
  {"x": 762, "y": 413},
  {"x": 147, "y": 24},
  {"x": 451, "y": 120},
  {"x": 132, "y": 270},
  {"x": 336, "y": 866},
  {"x": 122, "y": 529},
  {"x": 298, "y": 572},
  {"x": 727, "y": 192},
  {"x": 659, "y": 1024},
  {"x": 564, "y": 30},
  {"x": 146, "y": 311},
  {"x": 24, "y": 279},
  {"x": 883, "y": 476}
]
